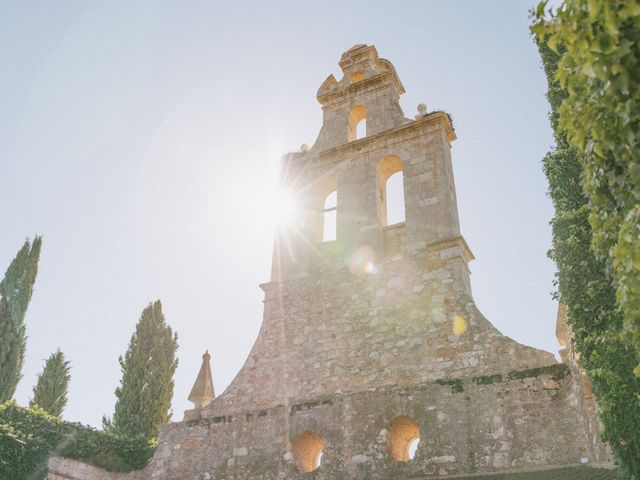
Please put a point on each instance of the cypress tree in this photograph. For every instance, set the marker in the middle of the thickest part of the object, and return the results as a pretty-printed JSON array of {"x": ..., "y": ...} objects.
[
  {"x": 146, "y": 388},
  {"x": 15, "y": 293},
  {"x": 50, "y": 393}
]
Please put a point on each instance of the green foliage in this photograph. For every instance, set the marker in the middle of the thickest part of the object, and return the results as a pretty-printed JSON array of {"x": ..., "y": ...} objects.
[
  {"x": 28, "y": 436},
  {"x": 50, "y": 393},
  {"x": 146, "y": 388},
  {"x": 107, "y": 450},
  {"x": 456, "y": 384},
  {"x": 487, "y": 379},
  {"x": 588, "y": 281},
  {"x": 600, "y": 69},
  {"x": 15, "y": 293},
  {"x": 557, "y": 372},
  {"x": 12, "y": 344}
]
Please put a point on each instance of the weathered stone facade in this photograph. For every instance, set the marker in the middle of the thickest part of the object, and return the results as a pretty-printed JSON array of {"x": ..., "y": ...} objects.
[{"x": 372, "y": 340}]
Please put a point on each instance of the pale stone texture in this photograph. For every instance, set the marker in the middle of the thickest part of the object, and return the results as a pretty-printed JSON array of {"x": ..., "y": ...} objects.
[
  {"x": 68, "y": 469},
  {"x": 344, "y": 351}
]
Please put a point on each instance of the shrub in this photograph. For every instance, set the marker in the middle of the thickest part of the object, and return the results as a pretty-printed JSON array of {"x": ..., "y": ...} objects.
[{"x": 28, "y": 436}]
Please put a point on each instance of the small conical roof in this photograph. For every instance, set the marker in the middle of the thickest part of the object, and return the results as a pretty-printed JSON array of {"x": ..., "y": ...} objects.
[{"x": 202, "y": 393}]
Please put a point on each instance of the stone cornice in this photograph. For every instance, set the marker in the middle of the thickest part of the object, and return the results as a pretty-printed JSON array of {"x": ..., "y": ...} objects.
[
  {"x": 346, "y": 93},
  {"x": 459, "y": 242},
  {"x": 435, "y": 118}
]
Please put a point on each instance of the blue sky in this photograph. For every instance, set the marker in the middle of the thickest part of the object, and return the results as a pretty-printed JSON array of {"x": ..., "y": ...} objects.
[{"x": 142, "y": 139}]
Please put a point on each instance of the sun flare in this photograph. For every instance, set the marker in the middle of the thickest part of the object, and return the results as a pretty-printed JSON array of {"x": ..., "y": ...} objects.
[{"x": 283, "y": 209}]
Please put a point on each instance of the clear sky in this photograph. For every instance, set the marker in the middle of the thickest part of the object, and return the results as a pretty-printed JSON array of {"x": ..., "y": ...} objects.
[{"x": 142, "y": 140}]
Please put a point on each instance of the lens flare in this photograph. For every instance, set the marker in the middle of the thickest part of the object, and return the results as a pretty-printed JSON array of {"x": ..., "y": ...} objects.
[
  {"x": 283, "y": 208},
  {"x": 361, "y": 261},
  {"x": 459, "y": 325}
]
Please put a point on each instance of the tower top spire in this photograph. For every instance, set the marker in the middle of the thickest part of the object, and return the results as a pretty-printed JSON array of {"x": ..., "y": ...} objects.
[{"x": 202, "y": 393}]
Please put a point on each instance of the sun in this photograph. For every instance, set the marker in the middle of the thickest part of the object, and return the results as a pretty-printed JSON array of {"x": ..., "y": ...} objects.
[{"x": 283, "y": 209}]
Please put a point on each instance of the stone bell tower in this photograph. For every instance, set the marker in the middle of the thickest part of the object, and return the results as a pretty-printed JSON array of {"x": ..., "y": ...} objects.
[
  {"x": 372, "y": 360},
  {"x": 374, "y": 304}
]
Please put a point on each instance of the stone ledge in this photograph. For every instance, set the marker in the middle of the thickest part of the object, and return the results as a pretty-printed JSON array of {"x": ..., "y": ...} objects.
[
  {"x": 455, "y": 242},
  {"x": 436, "y": 118},
  {"x": 61, "y": 468},
  {"x": 574, "y": 472},
  {"x": 555, "y": 372}
]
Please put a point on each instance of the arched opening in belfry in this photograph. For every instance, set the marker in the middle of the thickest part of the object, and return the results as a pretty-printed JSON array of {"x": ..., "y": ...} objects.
[
  {"x": 323, "y": 211},
  {"x": 357, "y": 123},
  {"x": 390, "y": 191},
  {"x": 403, "y": 438},
  {"x": 330, "y": 217},
  {"x": 307, "y": 451}
]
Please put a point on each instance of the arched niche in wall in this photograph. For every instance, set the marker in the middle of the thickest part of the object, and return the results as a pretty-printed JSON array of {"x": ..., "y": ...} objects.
[
  {"x": 390, "y": 191},
  {"x": 325, "y": 202},
  {"x": 307, "y": 451},
  {"x": 357, "y": 123},
  {"x": 403, "y": 437}
]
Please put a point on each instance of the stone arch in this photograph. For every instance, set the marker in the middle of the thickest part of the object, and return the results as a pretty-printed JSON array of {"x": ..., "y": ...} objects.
[
  {"x": 357, "y": 115},
  {"x": 390, "y": 168},
  {"x": 330, "y": 217},
  {"x": 403, "y": 436},
  {"x": 307, "y": 450},
  {"x": 326, "y": 208}
]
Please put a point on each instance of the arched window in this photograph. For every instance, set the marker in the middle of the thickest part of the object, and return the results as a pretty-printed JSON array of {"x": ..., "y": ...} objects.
[
  {"x": 403, "y": 437},
  {"x": 357, "y": 123},
  {"x": 330, "y": 217},
  {"x": 395, "y": 199},
  {"x": 390, "y": 184},
  {"x": 307, "y": 451}
]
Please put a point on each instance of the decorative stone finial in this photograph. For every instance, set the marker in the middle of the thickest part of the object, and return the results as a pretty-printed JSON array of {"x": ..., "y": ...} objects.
[
  {"x": 422, "y": 111},
  {"x": 202, "y": 393}
]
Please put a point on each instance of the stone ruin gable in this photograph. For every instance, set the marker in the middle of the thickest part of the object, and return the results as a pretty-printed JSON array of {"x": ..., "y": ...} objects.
[
  {"x": 474, "y": 424},
  {"x": 328, "y": 329},
  {"x": 338, "y": 332}
]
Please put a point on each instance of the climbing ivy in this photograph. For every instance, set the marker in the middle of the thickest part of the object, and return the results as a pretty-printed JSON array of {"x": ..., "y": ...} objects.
[
  {"x": 600, "y": 69},
  {"x": 589, "y": 50}
]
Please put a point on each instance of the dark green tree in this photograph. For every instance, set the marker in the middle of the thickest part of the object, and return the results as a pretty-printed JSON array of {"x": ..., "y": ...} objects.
[
  {"x": 50, "y": 393},
  {"x": 15, "y": 293},
  {"x": 145, "y": 391},
  {"x": 586, "y": 281}
]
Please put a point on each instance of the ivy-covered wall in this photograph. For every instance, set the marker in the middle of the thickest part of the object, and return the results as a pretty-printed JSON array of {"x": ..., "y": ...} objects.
[{"x": 591, "y": 55}]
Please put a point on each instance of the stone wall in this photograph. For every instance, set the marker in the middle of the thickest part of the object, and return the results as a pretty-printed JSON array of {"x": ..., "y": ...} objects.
[
  {"x": 68, "y": 469},
  {"x": 473, "y": 424},
  {"x": 337, "y": 331}
]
